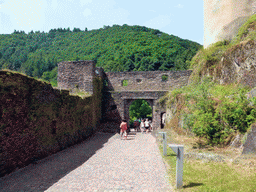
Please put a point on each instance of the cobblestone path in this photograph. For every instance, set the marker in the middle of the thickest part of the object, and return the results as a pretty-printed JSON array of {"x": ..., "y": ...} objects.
[{"x": 102, "y": 163}]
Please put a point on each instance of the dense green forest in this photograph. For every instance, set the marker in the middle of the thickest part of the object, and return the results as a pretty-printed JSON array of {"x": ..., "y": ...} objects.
[{"x": 116, "y": 48}]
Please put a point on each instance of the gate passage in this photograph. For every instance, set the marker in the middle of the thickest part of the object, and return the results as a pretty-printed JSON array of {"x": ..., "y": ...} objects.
[{"x": 122, "y": 88}]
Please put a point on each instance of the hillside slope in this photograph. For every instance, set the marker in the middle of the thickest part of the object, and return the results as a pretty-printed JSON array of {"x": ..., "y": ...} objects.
[
  {"x": 230, "y": 61},
  {"x": 116, "y": 48},
  {"x": 219, "y": 103}
]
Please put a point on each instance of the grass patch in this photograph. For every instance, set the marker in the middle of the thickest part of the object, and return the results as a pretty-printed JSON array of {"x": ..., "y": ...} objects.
[
  {"x": 247, "y": 30},
  {"x": 82, "y": 94},
  {"x": 208, "y": 176}
]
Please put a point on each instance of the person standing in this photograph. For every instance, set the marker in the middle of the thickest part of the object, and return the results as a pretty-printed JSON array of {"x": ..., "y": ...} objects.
[
  {"x": 150, "y": 125},
  {"x": 123, "y": 129},
  {"x": 142, "y": 126},
  {"x": 147, "y": 125}
]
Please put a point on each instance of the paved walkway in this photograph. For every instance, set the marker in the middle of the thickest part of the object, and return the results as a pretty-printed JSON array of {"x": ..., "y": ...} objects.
[{"x": 102, "y": 163}]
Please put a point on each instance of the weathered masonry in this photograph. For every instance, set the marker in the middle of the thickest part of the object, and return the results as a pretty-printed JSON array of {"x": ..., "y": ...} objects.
[
  {"x": 122, "y": 88},
  {"x": 76, "y": 74}
]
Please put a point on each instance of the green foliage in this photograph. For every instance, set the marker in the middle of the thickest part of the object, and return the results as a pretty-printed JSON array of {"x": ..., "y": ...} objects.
[
  {"x": 140, "y": 109},
  {"x": 164, "y": 77},
  {"x": 246, "y": 30},
  {"x": 124, "y": 82},
  {"x": 209, "y": 57},
  {"x": 211, "y": 114},
  {"x": 213, "y": 53},
  {"x": 116, "y": 48}
]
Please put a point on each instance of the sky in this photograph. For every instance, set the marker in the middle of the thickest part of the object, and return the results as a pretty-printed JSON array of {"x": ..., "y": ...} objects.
[{"x": 182, "y": 18}]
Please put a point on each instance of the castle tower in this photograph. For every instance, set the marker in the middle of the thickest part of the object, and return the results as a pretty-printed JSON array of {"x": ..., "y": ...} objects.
[
  {"x": 223, "y": 18},
  {"x": 76, "y": 74}
]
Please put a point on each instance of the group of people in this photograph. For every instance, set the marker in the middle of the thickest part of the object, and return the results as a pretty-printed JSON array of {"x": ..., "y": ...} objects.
[{"x": 144, "y": 126}]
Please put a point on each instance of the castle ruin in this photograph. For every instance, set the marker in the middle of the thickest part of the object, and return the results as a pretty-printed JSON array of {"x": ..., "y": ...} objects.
[{"x": 118, "y": 96}]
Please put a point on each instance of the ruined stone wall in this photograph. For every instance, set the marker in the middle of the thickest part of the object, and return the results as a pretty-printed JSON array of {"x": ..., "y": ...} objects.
[
  {"x": 146, "y": 80},
  {"x": 148, "y": 85},
  {"x": 37, "y": 121},
  {"x": 118, "y": 95},
  {"x": 76, "y": 74},
  {"x": 223, "y": 18}
]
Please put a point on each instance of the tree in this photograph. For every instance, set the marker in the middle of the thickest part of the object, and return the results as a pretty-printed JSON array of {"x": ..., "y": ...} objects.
[
  {"x": 76, "y": 30},
  {"x": 123, "y": 48},
  {"x": 140, "y": 109}
]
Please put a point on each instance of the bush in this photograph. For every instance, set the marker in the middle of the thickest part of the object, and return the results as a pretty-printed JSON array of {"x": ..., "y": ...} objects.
[{"x": 213, "y": 115}]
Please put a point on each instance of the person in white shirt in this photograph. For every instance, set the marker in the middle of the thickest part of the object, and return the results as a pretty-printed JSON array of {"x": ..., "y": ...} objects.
[
  {"x": 142, "y": 126},
  {"x": 147, "y": 125}
]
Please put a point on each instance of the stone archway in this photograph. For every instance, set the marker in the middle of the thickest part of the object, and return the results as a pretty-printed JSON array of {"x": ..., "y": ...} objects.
[
  {"x": 117, "y": 97},
  {"x": 156, "y": 113},
  {"x": 127, "y": 104}
]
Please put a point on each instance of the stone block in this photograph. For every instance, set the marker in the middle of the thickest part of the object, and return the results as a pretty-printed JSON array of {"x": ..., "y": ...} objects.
[{"x": 250, "y": 143}]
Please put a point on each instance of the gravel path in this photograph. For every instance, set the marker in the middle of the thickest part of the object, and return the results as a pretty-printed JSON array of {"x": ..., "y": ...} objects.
[{"x": 102, "y": 163}]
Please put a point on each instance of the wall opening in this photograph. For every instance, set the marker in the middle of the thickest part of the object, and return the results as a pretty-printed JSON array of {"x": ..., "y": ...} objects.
[
  {"x": 138, "y": 110},
  {"x": 113, "y": 107},
  {"x": 124, "y": 82},
  {"x": 164, "y": 77},
  {"x": 163, "y": 116}
]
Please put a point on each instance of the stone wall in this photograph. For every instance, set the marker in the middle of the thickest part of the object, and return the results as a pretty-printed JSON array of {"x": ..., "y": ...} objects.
[
  {"x": 223, "y": 18},
  {"x": 76, "y": 74},
  {"x": 37, "y": 121},
  {"x": 121, "y": 88},
  {"x": 146, "y": 80},
  {"x": 122, "y": 100}
]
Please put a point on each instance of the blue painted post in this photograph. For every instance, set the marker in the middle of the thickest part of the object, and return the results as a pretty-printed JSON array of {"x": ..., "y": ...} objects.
[{"x": 179, "y": 150}]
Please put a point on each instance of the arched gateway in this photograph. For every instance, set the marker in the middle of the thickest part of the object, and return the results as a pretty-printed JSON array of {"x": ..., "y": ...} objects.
[{"x": 122, "y": 88}]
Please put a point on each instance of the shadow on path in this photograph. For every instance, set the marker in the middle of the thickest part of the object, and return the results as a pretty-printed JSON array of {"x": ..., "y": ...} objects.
[{"x": 41, "y": 176}]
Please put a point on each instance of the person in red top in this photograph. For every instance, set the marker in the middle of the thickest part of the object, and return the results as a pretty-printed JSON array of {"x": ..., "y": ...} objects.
[{"x": 123, "y": 128}]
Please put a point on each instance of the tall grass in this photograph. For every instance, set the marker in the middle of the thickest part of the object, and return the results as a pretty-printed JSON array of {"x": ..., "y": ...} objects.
[{"x": 201, "y": 176}]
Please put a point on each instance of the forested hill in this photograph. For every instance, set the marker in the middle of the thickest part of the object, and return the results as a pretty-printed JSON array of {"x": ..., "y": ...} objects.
[{"x": 116, "y": 48}]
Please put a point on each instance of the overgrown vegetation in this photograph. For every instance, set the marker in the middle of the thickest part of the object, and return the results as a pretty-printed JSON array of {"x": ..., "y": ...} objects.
[
  {"x": 207, "y": 59},
  {"x": 246, "y": 31},
  {"x": 209, "y": 110},
  {"x": 164, "y": 78},
  {"x": 125, "y": 82},
  {"x": 116, "y": 48},
  {"x": 214, "y": 112}
]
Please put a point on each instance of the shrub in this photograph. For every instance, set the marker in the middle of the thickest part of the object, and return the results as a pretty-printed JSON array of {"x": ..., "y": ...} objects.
[
  {"x": 124, "y": 83},
  {"x": 164, "y": 77},
  {"x": 211, "y": 114}
]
